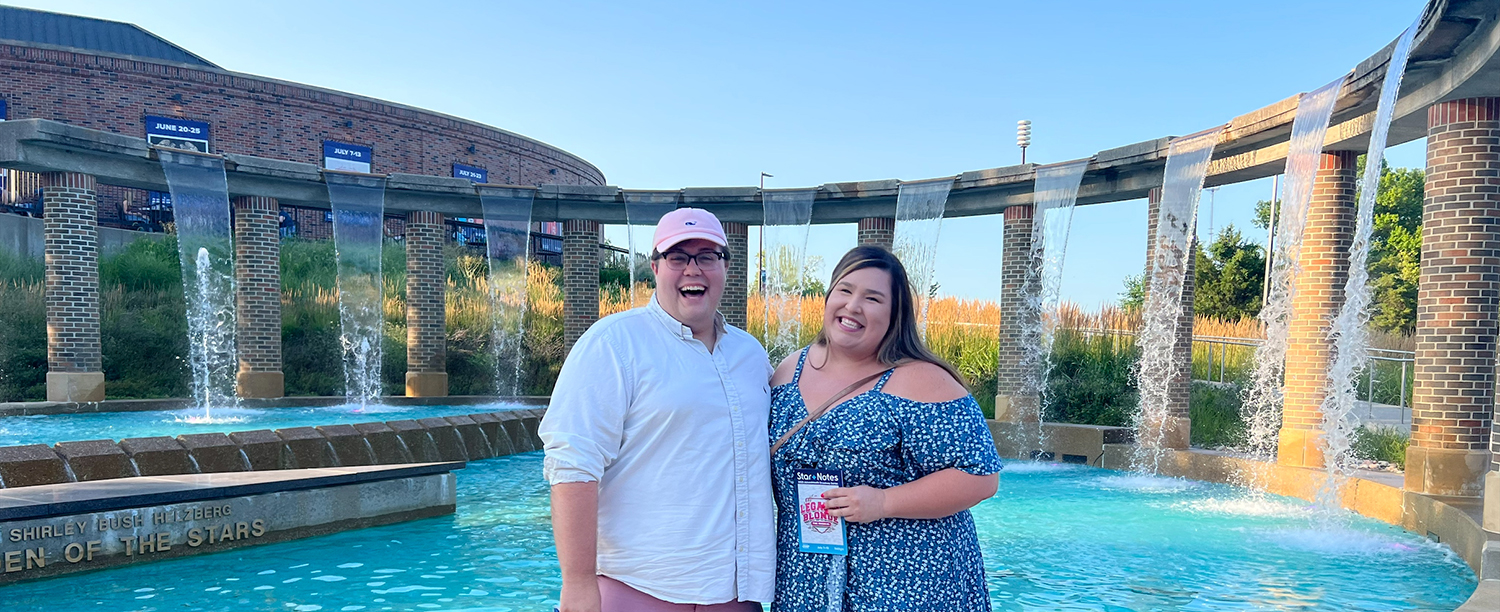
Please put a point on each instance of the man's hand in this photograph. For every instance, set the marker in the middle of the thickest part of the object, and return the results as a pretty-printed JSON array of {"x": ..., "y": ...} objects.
[
  {"x": 579, "y": 596},
  {"x": 861, "y": 504}
]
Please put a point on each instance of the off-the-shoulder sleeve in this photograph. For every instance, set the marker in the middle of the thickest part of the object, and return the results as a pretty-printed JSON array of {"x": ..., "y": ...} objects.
[{"x": 939, "y": 435}]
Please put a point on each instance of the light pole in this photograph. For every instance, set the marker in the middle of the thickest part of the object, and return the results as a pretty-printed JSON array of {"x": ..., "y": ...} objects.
[
  {"x": 1023, "y": 137},
  {"x": 1265, "y": 281},
  {"x": 760, "y": 256}
]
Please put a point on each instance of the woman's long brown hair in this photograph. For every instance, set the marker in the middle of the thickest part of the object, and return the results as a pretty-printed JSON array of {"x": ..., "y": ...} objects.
[{"x": 902, "y": 342}]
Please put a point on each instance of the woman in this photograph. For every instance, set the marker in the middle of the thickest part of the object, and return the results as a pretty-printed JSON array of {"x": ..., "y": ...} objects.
[{"x": 910, "y": 444}]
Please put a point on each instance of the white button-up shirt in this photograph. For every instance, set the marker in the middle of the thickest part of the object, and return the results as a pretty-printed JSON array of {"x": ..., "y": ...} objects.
[{"x": 677, "y": 439}]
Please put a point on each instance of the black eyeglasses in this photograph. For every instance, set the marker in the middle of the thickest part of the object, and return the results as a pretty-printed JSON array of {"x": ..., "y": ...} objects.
[{"x": 707, "y": 260}]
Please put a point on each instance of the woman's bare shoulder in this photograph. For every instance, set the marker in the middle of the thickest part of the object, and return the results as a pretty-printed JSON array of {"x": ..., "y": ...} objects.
[
  {"x": 785, "y": 370},
  {"x": 925, "y": 382}
]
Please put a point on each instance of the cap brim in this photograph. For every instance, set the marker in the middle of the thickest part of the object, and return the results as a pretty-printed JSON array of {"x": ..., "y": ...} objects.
[{"x": 678, "y": 239}]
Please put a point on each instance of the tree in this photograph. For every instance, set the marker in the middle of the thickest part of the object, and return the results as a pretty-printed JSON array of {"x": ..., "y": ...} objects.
[
  {"x": 1228, "y": 276},
  {"x": 1396, "y": 249},
  {"x": 1134, "y": 295},
  {"x": 1395, "y": 246}
]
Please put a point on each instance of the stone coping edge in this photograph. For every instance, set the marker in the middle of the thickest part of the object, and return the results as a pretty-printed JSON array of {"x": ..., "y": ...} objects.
[
  {"x": 192, "y": 489},
  {"x": 144, "y": 405}
]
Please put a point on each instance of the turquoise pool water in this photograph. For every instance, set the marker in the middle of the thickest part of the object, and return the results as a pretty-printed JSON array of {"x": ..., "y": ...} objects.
[
  {"x": 1055, "y": 538},
  {"x": 50, "y": 429}
]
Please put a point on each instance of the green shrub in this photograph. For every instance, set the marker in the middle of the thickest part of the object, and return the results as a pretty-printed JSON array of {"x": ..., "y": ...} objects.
[
  {"x": 1215, "y": 412},
  {"x": 23, "y": 329},
  {"x": 1091, "y": 382},
  {"x": 1380, "y": 443}
]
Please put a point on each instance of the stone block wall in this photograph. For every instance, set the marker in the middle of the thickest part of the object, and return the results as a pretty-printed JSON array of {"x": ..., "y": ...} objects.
[
  {"x": 471, "y": 437},
  {"x": 580, "y": 279},
  {"x": 257, "y": 276}
]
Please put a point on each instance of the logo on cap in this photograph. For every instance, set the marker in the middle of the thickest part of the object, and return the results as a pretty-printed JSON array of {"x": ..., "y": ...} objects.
[{"x": 691, "y": 223}]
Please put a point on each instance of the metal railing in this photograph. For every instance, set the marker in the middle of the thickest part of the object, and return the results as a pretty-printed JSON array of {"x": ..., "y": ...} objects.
[{"x": 1386, "y": 379}]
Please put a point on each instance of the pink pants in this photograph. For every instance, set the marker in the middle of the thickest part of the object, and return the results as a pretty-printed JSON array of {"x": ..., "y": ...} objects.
[{"x": 617, "y": 596}]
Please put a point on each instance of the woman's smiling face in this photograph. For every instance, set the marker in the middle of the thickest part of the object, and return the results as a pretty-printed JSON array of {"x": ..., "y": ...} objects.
[{"x": 857, "y": 314}]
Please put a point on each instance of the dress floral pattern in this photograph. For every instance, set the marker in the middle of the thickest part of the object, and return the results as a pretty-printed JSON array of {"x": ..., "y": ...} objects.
[{"x": 881, "y": 440}]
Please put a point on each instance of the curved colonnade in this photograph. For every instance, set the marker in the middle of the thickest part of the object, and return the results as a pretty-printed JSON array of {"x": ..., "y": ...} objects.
[{"x": 1450, "y": 95}]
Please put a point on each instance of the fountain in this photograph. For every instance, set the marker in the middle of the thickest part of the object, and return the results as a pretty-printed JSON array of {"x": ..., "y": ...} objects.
[
  {"x": 1176, "y": 221},
  {"x": 358, "y": 204},
  {"x": 788, "y": 217},
  {"x": 1056, "y": 192},
  {"x": 200, "y": 204},
  {"x": 919, "y": 221},
  {"x": 643, "y": 210},
  {"x": 1348, "y": 335},
  {"x": 1263, "y": 396},
  {"x": 507, "y": 230}
]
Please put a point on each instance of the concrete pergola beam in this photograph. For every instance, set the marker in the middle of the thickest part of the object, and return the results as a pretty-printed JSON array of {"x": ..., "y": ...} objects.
[{"x": 1453, "y": 56}]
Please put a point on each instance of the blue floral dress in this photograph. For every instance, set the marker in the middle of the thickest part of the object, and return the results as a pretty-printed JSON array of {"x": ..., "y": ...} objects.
[{"x": 881, "y": 440}]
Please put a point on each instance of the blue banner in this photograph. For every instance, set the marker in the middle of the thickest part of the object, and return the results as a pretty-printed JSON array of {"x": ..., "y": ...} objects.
[
  {"x": 348, "y": 157},
  {"x": 476, "y": 174},
  {"x": 4, "y": 110},
  {"x": 174, "y": 133}
]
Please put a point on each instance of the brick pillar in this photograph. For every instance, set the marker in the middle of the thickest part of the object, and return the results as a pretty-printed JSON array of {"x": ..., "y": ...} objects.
[
  {"x": 1179, "y": 389},
  {"x": 1012, "y": 403},
  {"x": 1324, "y": 263},
  {"x": 257, "y": 279},
  {"x": 736, "y": 286},
  {"x": 881, "y": 231},
  {"x": 580, "y": 279},
  {"x": 1454, "y": 395},
  {"x": 75, "y": 366},
  {"x": 426, "y": 321}
]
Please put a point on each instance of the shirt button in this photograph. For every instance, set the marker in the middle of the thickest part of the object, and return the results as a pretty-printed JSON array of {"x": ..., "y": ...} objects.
[{"x": 739, "y": 444}]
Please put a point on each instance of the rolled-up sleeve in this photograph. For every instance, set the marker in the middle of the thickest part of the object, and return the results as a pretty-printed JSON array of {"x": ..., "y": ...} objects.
[{"x": 585, "y": 421}]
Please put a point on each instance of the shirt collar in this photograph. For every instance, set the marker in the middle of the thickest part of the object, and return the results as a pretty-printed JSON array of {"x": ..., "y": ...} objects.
[{"x": 675, "y": 326}]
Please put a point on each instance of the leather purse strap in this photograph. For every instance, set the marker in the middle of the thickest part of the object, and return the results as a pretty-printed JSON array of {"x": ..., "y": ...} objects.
[{"x": 820, "y": 410}]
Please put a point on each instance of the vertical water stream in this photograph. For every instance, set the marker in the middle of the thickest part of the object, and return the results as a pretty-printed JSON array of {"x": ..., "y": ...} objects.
[
  {"x": 507, "y": 230},
  {"x": 1187, "y": 165},
  {"x": 200, "y": 207},
  {"x": 1263, "y": 397},
  {"x": 1055, "y": 193},
  {"x": 642, "y": 211},
  {"x": 1348, "y": 334},
  {"x": 788, "y": 217},
  {"x": 358, "y": 204},
  {"x": 919, "y": 221}
]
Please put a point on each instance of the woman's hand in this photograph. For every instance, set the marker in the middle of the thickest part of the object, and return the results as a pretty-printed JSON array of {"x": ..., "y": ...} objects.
[
  {"x": 861, "y": 504},
  {"x": 579, "y": 596}
]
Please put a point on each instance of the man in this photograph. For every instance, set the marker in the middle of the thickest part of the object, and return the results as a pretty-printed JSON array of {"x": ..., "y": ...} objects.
[{"x": 657, "y": 446}]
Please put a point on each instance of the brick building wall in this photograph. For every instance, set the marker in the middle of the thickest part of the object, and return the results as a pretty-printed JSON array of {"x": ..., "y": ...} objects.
[
  {"x": 1319, "y": 293},
  {"x": 269, "y": 118},
  {"x": 737, "y": 275},
  {"x": 879, "y": 231},
  {"x": 580, "y": 279},
  {"x": 426, "y": 320},
  {"x": 1457, "y": 310}
]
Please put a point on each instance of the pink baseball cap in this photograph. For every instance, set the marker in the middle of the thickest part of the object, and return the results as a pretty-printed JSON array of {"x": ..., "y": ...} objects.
[{"x": 687, "y": 224}]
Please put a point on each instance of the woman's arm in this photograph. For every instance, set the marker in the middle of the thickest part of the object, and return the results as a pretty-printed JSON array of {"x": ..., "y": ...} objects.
[{"x": 936, "y": 495}]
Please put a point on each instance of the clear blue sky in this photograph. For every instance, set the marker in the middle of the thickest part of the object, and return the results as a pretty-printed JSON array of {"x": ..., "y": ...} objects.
[{"x": 688, "y": 94}]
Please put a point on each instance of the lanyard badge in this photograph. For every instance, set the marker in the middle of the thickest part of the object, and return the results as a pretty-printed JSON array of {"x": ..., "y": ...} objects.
[{"x": 817, "y": 530}]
